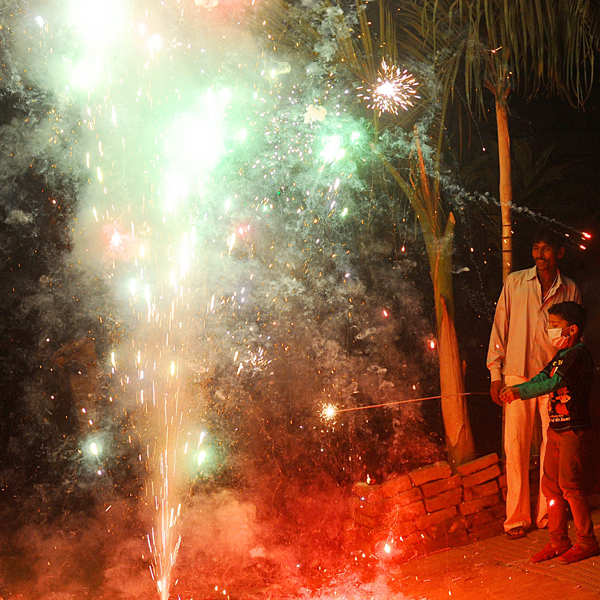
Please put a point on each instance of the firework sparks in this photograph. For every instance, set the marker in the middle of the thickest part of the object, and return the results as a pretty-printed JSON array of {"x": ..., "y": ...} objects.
[
  {"x": 394, "y": 89},
  {"x": 147, "y": 247},
  {"x": 328, "y": 412}
]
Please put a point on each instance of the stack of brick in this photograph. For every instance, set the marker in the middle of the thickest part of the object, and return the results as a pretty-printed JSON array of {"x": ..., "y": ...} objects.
[
  {"x": 429, "y": 508},
  {"x": 484, "y": 488}
]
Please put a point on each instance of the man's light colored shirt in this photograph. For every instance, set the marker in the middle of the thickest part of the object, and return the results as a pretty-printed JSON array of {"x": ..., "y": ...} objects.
[{"x": 519, "y": 343}]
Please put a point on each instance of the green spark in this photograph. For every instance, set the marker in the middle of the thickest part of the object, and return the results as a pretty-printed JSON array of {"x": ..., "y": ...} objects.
[{"x": 333, "y": 149}]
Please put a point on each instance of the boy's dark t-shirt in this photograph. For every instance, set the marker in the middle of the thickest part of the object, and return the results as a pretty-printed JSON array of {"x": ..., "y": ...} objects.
[{"x": 568, "y": 404}]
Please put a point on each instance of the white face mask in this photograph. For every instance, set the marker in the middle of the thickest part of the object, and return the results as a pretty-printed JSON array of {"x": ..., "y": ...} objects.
[{"x": 557, "y": 339}]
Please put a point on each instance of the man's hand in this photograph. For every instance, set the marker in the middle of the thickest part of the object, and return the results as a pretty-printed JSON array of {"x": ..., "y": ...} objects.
[
  {"x": 508, "y": 394},
  {"x": 495, "y": 388}
]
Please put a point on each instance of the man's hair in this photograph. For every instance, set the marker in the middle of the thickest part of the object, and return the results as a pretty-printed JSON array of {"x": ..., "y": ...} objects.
[
  {"x": 571, "y": 312},
  {"x": 545, "y": 234}
]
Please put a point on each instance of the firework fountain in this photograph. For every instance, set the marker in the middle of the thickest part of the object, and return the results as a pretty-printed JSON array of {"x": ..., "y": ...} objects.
[{"x": 140, "y": 115}]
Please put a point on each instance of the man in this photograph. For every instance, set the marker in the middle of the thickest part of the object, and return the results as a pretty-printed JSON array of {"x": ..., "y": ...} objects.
[{"x": 519, "y": 348}]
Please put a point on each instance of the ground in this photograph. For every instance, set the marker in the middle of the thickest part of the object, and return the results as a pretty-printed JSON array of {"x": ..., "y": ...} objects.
[{"x": 497, "y": 568}]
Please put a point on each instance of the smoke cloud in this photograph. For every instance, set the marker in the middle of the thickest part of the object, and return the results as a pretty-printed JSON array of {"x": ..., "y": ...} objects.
[{"x": 201, "y": 257}]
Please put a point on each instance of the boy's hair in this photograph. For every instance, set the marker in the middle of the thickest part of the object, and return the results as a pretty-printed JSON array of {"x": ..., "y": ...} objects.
[
  {"x": 545, "y": 234},
  {"x": 571, "y": 312}
]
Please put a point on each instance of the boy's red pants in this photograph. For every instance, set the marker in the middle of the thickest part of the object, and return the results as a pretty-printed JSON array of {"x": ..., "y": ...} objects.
[{"x": 566, "y": 473}]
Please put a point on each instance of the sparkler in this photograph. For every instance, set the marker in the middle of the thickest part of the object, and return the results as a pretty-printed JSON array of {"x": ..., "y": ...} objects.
[
  {"x": 393, "y": 89},
  {"x": 330, "y": 411}
]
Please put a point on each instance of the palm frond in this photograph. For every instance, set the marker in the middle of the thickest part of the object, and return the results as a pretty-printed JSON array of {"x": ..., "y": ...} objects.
[{"x": 523, "y": 45}]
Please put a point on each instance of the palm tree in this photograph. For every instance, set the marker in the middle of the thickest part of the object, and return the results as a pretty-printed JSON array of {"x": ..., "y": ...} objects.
[
  {"x": 423, "y": 189},
  {"x": 500, "y": 47},
  {"x": 437, "y": 226}
]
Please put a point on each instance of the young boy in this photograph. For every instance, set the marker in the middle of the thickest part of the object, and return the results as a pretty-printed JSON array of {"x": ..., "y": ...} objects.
[{"x": 568, "y": 379}]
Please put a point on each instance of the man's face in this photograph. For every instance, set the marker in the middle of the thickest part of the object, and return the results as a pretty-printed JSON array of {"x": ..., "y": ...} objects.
[{"x": 546, "y": 257}]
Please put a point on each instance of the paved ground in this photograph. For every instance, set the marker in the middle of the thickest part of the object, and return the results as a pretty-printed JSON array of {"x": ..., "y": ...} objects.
[{"x": 498, "y": 568}]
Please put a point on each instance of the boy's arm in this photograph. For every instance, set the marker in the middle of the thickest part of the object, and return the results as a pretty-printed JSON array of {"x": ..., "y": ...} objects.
[{"x": 539, "y": 385}]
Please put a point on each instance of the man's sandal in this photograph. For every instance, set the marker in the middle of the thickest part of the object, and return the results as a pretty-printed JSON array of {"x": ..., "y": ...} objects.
[{"x": 516, "y": 532}]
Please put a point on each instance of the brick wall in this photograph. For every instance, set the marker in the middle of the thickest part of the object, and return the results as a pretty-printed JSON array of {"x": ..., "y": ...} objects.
[{"x": 429, "y": 508}]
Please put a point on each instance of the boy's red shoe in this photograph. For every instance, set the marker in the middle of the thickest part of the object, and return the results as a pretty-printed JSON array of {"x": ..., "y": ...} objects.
[
  {"x": 549, "y": 551},
  {"x": 577, "y": 553}
]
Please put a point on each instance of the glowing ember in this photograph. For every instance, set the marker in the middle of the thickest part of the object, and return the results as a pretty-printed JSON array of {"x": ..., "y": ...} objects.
[
  {"x": 329, "y": 412},
  {"x": 394, "y": 89},
  {"x": 201, "y": 457},
  {"x": 115, "y": 240}
]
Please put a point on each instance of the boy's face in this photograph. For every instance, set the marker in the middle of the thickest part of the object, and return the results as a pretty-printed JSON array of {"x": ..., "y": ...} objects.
[
  {"x": 556, "y": 322},
  {"x": 566, "y": 330},
  {"x": 546, "y": 257}
]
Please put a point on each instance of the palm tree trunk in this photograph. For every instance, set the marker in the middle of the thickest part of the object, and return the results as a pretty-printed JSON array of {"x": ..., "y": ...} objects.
[
  {"x": 459, "y": 437},
  {"x": 505, "y": 184},
  {"x": 439, "y": 241}
]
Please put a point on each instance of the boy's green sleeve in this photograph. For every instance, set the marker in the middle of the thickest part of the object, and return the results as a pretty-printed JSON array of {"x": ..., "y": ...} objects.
[{"x": 539, "y": 385}]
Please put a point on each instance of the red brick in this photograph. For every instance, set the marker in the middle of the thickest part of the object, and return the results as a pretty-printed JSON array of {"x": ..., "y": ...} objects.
[
  {"x": 442, "y": 485},
  {"x": 404, "y": 498},
  {"x": 411, "y": 511},
  {"x": 438, "y": 470},
  {"x": 365, "y": 521},
  {"x": 395, "y": 486},
  {"x": 370, "y": 509},
  {"x": 449, "y": 529},
  {"x": 476, "y": 520},
  {"x": 481, "y": 476},
  {"x": 395, "y": 515},
  {"x": 473, "y": 506},
  {"x": 487, "y": 531},
  {"x": 436, "y": 517},
  {"x": 503, "y": 490},
  {"x": 446, "y": 535},
  {"x": 502, "y": 480},
  {"x": 499, "y": 511},
  {"x": 460, "y": 537},
  {"x": 445, "y": 500},
  {"x": 361, "y": 489},
  {"x": 405, "y": 550},
  {"x": 458, "y": 524},
  {"x": 485, "y": 516},
  {"x": 483, "y": 462},
  {"x": 446, "y": 527},
  {"x": 397, "y": 529},
  {"x": 483, "y": 489}
]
